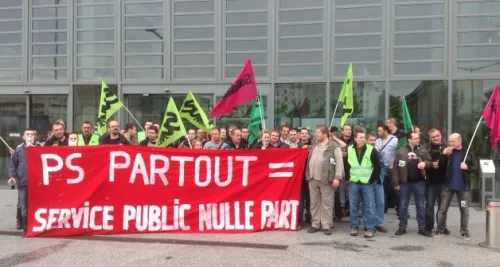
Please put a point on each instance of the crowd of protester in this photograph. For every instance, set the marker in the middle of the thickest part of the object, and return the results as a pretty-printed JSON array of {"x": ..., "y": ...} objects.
[{"x": 350, "y": 172}]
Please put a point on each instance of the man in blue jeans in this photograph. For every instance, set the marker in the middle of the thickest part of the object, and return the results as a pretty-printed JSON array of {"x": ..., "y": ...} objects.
[
  {"x": 362, "y": 171},
  {"x": 379, "y": 189},
  {"x": 408, "y": 177}
]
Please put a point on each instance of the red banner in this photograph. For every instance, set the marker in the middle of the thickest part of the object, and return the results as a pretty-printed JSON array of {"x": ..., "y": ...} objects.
[{"x": 131, "y": 189}]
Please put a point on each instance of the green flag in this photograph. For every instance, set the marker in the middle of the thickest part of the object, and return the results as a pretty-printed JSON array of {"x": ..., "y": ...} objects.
[
  {"x": 108, "y": 105},
  {"x": 256, "y": 120},
  {"x": 192, "y": 112},
  {"x": 346, "y": 96},
  {"x": 172, "y": 128},
  {"x": 407, "y": 125}
]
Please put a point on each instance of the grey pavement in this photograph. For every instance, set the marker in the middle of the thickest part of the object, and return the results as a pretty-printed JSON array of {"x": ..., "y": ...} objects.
[{"x": 298, "y": 248}]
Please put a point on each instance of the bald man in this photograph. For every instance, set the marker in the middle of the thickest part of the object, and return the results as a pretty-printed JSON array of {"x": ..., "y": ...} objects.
[{"x": 457, "y": 181}]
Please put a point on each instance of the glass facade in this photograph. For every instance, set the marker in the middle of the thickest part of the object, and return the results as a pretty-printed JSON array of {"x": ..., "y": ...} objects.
[{"x": 442, "y": 56}]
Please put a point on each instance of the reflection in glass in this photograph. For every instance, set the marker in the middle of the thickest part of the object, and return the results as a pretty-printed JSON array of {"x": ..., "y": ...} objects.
[
  {"x": 427, "y": 103},
  {"x": 12, "y": 125},
  {"x": 152, "y": 106},
  {"x": 240, "y": 117},
  {"x": 45, "y": 110},
  {"x": 86, "y": 103},
  {"x": 300, "y": 104},
  {"x": 369, "y": 104}
]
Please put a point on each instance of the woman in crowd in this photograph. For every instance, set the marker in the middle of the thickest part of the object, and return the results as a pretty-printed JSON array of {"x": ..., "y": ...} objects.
[{"x": 197, "y": 144}]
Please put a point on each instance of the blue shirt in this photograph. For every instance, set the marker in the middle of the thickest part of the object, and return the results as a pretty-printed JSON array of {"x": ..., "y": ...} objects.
[
  {"x": 457, "y": 175},
  {"x": 389, "y": 152}
]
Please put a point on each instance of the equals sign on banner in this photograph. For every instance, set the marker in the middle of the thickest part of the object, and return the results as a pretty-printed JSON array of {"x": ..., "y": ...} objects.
[{"x": 281, "y": 170}]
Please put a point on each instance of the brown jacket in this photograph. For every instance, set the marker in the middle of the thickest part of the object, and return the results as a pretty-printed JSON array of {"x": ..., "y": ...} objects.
[
  {"x": 330, "y": 170},
  {"x": 400, "y": 173}
]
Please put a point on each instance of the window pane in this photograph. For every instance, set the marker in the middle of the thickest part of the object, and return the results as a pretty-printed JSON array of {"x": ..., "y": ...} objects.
[
  {"x": 484, "y": 37},
  {"x": 258, "y": 71},
  {"x": 242, "y": 18},
  {"x": 359, "y": 69},
  {"x": 49, "y": 12},
  {"x": 96, "y": 10},
  {"x": 147, "y": 22},
  {"x": 45, "y": 110},
  {"x": 485, "y": 52},
  {"x": 96, "y": 61},
  {"x": 11, "y": 26},
  {"x": 194, "y": 6},
  {"x": 49, "y": 74},
  {"x": 238, "y": 59},
  {"x": 358, "y": 27},
  {"x": 95, "y": 36},
  {"x": 49, "y": 62},
  {"x": 11, "y": 50},
  {"x": 11, "y": 38},
  {"x": 253, "y": 45},
  {"x": 86, "y": 102},
  {"x": 50, "y": 37},
  {"x": 419, "y": 10},
  {"x": 143, "y": 60},
  {"x": 60, "y": 24},
  {"x": 12, "y": 62},
  {"x": 358, "y": 55},
  {"x": 196, "y": 33},
  {"x": 144, "y": 73},
  {"x": 426, "y": 101},
  {"x": 418, "y": 24},
  {"x": 90, "y": 74},
  {"x": 357, "y": 2},
  {"x": 419, "y": 39},
  {"x": 193, "y": 73},
  {"x": 144, "y": 48},
  {"x": 93, "y": 49},
  {"x": 246, "y": 5},
  {"x": 11, "y": 13},
  {"x": 190, "y": 20},
  {"x": 144, "y": 8},
  {"x": 301, "y": 15},
  {"x": 358, "y": 13},
  {"x": 49, "y": 2},
  {"x": 194, "y": 60},
  {"x": 478, "y": 67},
  {"x": 96, "y": 23},
  {"x": 11, "y": 75},
  {"x": 300, "y": 43},
  {"x": 300, "y": 104},
  {"x": 49, "y": 49},
  {"x": 418, "y": 53},
  {"x": 358, "y": 41},
  {"x": 478, "y": 7},
  {"x": 300, "y": 57},
  {"x": 12, "y": 123},
  {"x": 478, "y": 22},
  {"x": 144, "y": 34},
  {"x": 300, "y": 3},
  {"x": 245, "y": 32},
  {"x": 301, "y": 71},
  {"x": 418, "y": 68},
  {"x": 369, "y": 104},
  {"x": 299, "y": 30}
]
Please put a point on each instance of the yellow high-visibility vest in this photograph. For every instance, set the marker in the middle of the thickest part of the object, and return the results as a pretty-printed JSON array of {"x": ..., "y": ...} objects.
[{"x": 360, "y": 172}]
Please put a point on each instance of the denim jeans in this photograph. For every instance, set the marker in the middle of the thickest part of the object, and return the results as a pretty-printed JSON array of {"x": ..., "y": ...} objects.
[
  {"x": 418, "y": 192},
  {"x": 432, "y": 195},
  {"x": 390, "y": 192},
  {"x": 304, "y": 203},
  {"x": 23, "y": 200},
  {"x": 366, "y": 193},
  {"x": 463, "y": 204}
]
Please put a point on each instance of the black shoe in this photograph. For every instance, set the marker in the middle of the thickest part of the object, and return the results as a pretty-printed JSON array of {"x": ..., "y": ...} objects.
[
  {"x": 312, "y": 230},
  {"x": 400, "y": 231},
  {"x": 24, "y": 232},
  {"x": 425, "y": 233},
  {"x": 446, "y": 232},
  {"x": 381, "y": 229},
  {"x": 328, "y": 231},
  {"x": 19, "y": 225}
]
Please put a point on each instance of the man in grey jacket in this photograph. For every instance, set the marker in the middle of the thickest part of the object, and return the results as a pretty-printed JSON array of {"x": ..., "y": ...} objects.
[
  {"x": 324, "y": 172},
  {"x": 19, "y": 176}
]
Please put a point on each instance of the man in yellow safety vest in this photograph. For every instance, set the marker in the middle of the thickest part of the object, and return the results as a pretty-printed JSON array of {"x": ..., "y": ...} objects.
[
  {"x": 87, "y": 138},
  {"x": 362, "y": 171}
]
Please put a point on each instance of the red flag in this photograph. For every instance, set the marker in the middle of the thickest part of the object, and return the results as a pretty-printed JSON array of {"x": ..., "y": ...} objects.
[
  {"x": 241, "y": 91},
  {"x": 492, "y": 117}
]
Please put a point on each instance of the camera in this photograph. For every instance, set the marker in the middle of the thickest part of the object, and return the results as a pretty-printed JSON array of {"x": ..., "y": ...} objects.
[{"x": 167, "y": 90}]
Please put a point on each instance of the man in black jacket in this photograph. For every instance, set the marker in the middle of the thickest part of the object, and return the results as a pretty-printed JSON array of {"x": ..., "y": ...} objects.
[
  {"x": 59, "y": 137},
  {"x": 113, "y": 136},
  {"x": 435, "y": 178},
  {"x": 459, "y": 166}
]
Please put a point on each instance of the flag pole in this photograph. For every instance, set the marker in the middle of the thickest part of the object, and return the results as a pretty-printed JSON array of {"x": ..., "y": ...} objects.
[
  {"x": 477, "y": 127},
  {"x": 189, "y": 142},
  {"x": 5, "y": 143},
  {"x": 261, "y": 108},
  {"x": 334, "y": 111},
  {"x": 130, "y": 113}
]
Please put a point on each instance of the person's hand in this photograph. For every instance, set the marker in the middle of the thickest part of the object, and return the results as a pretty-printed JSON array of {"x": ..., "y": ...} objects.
[
  {"x": 11, "y": 181},
  {"x": 435, "y": 165},
  {"x": 29, "y": 144},
  {"x": 263, "y": 147},
  {"x": 344, "y": 154},
  {"x": 448, "y": 151},
  {"x": 397, "y": 188},
  {"x": 336, "y": 184},
  {"x": 11, "y": 151},
  {"x": 390, "y": 166},
  {"x": 421, "y": 165},
  {"x": 464, "y": 166},
  {"x": 305, "y": 147}
]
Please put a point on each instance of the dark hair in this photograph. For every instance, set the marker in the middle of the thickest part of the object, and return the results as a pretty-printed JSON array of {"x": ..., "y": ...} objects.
[
  {"x": 334, "y": 129},
  {"x": 370, "y": 134},
  {"x": 384, "y": 127},
  {"x": 60, "y": 123},
  {"x": 431, "y": 131},
  {"x": 28, "y": 129},
  {"x": 284, "y": 126},
  {"x": 358, "y": 132},
  {"x": 154, "y": 128},
  {"x": 148, "y": 121},
  {"x": 409, "y": 135},
  {"x": 194, "y": 129},
  {"x": 87, "y": 122},
  {"x": 276, "y": 130},
  {"x": 343, "y": 127},
  {"x": 215, "y": 128},
  {"x": 293, "y": 129},
  {"x": 304, "y": 129},
  {"x": 130, "y": 126}
]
